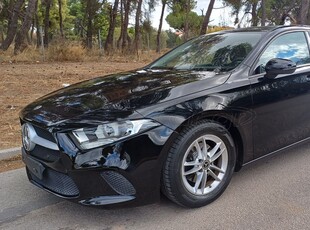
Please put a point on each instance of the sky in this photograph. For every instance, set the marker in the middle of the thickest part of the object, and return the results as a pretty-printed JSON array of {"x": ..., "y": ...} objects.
[{"x": 218, "y": 17}]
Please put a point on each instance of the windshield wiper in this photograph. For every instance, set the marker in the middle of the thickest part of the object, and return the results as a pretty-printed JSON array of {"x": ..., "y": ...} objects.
[{"x": 161, "y": 68}]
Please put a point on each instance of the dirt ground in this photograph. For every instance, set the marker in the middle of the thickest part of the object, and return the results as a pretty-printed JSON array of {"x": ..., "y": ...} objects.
[
  {"x": 22, "y": 83},
  {"x": 11, "y": 163}
]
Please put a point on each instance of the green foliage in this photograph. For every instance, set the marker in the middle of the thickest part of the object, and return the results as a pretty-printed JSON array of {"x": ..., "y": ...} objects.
[
  {"x": 149, "y": 38},
  {"x": 4, "y": 15},
  {"x": 5, "y": 11},
  {"x": 275, "y": 9},
  {"x": 177, "y": 21},
  {"x": 183, "y": 18},
  {"x": 172, "y": 39},
  {"x": 180, "y": 6},
  {"x": 101, "y": 21},
  {"x": 75, "y": 15},
  {"x": 54, "y": 16},
  {"x": 77, "y": 18}
]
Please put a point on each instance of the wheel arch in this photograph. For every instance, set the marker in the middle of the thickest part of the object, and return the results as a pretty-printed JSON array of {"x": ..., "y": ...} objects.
[{"x": 222, "y": 119}]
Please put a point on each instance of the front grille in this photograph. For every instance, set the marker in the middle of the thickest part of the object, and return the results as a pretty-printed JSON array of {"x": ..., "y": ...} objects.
[
  {"x": 119, "y": 183},
  {"x": 45, "y": 154},
  {"x": 44, "y": 134},
  {"x": 56, "y": 182}
]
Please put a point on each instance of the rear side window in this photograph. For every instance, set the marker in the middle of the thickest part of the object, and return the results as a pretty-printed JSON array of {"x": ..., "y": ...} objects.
[{"x": 292, "y": 46}]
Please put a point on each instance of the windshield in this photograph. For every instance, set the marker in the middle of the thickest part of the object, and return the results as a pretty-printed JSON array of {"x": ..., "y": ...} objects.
[{"x": 223, "y": 52}]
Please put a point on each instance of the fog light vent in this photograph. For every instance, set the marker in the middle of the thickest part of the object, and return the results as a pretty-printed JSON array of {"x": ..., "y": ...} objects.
[
  {"x": 57, "y": 182},
  {"x": 119, "y": 183}
]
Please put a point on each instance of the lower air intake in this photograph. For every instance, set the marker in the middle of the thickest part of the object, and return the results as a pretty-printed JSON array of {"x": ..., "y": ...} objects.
[
  {"x": 119, "y": 183},
  {"x": 56, "y": 182}
]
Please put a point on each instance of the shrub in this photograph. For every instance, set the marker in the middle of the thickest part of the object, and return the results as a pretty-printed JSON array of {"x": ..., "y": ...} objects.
[{"x": 65, "y": 51}]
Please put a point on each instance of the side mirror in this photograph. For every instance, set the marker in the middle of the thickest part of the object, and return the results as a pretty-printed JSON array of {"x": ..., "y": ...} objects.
[{"x": 279, "y": 66}]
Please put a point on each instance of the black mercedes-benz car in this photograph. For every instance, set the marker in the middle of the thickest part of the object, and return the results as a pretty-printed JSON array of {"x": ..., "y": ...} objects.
[{"x": 181, "y": 125}]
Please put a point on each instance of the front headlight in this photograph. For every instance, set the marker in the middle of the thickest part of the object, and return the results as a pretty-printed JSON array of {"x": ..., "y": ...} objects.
[{"x": 104, "y": 134}]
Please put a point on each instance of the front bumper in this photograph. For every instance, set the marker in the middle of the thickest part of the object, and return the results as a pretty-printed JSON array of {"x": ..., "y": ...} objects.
[
  {"x": 111, "y": 185},
  {"x": 62, "y": 174}
]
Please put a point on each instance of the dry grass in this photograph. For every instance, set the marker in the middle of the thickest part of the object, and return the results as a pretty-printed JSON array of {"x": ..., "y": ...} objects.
[
  {"x": 31, "y": 54},
  {"x": 64, "y": 51}
]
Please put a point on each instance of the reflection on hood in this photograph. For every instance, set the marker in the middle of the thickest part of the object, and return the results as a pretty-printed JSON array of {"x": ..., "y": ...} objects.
[{"x": 117, "y": 96}]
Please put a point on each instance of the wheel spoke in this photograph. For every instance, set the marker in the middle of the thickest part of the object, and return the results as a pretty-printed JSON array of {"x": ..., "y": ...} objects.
[
  {"x": 217, "y": 155},
  {"x": 198, "y": 149},
  {"x": 204, "y": 149},
  {"x": 193, "y": 170},
  {"x": 192, "y": 163},
  {"x": 204, "y": 182},
  {"x": 214, "y": 175},
  {"x": 214, "y": 150},
  {"x": 216, "y": 168},
  {"x": 198, "y": 181}
]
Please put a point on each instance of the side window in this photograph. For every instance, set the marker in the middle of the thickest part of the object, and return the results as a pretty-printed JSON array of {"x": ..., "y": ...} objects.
[{"x": 292, "y": 46}]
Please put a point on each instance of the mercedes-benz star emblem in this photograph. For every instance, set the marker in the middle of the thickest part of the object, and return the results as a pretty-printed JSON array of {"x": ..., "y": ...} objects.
[{"x": 27, "y": 134}]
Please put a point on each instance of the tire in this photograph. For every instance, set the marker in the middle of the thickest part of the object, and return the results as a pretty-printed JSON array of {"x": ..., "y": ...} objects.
[{"x": 193, "y": 178}]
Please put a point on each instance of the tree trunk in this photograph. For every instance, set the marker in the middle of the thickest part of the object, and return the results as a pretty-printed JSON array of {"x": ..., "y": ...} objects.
[
  {"x": 303, "y": 12},
  {"x": 33, "y": 26},
  {"x": 308, "y": 18},
  {"x": 254, "y": 14},
  {"x": 38, "y": 32},
  {"x": 206, "y": 19},
  {"x": 13, "y": 23},
  {"x": 119, "y": 41},
  {"x": 186, "y": 27},
  {"x": 158, "y": 42},
  {"x": 126, "y": 38},
  {"x": 20, "y": 40},
  {"x": 263, "y": 23},
  {"x": 108, "y": 46},
  {"x": 89, "y": 32},
  {"x": 1, "y": 36},
  {"x": 28, "y": 39},
  {"x": 283, "y": 18},
  {"x": 60, "y": 18},
  {"x": 137, "y": 27},
  {"x": 11, "y": 6},
  {"x": 1, "y": 6},
  {"x": 47, "y": 21},
  {"x": 32, "y": 30}
]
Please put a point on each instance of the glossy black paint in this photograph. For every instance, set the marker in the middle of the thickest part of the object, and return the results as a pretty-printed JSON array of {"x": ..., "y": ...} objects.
[
  {"x": 277, "y": 66},
  {"x": 281, "y": 111},
  {"x": 116, "y": 97},
  {"x": 263, "y": 115}
]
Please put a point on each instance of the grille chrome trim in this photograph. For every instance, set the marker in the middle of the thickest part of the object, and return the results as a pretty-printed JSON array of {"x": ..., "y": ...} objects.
[
  {"x": 45, "y": 143},
  {"x": 34, "y": 138}
]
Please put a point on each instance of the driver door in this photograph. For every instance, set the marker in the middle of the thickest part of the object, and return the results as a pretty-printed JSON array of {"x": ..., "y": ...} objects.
[{"x": 281, "y": 104}]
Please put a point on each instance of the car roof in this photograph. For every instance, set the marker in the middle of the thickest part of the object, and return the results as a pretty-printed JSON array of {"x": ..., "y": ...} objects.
[{"x": 266, "y": 28}]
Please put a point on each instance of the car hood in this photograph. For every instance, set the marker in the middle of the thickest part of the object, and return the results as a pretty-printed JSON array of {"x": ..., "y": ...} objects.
[{"x": 116, "y": 97}]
